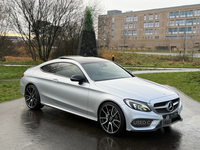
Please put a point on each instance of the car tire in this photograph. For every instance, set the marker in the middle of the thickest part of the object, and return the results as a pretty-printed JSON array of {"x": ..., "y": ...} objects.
[
  {"x": 111, "y": 118},
  {"x": 32, "y": 97}
]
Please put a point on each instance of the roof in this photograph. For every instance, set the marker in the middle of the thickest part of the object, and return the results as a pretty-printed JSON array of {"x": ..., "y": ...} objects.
[
  {"x": 83, "y": 60},
  {"x": 159, "y": 9}
]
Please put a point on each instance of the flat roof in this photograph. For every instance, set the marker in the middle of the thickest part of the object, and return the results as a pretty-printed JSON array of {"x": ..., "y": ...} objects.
[{"x": 156, "y": 9}]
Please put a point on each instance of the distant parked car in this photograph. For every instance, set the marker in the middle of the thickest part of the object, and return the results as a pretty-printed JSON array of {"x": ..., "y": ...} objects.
[{"x": 103, "y": 91}]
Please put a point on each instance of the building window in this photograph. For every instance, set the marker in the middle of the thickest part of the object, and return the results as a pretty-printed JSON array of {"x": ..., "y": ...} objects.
[
  {"x": 113, "y": 27},
  {"x": 174, "y": 14},
  {"x": 130, "y": 32},
  {"x": 129, "y": 19},
  {"x": 135, "y": 38},
  {"x": 156, "y": 16},
  {"x": 135, "y": 18},
  {"x": 113, "y": 20},
  {"x": 157, "y": 24},
  {"x": 104, "y": 21},
  {"x": 150, "y": 17},
  {"x": 148, "y": 31},
  {"x": 191, "y": 22},
  {"x": 171, "y": 23},
  {"x": 197, "y": 12},
  {"x": 128, "y": 38},
  {"x": 156, "y": 31},
  {"x": 130, "y": 25},
  {"x": 112, "y": 37},
  {"x": 189, "y": 13},
  {"x": 148, "y": 24},
  {"x": 194, "y": 29},
  {"x": 197, "y": 20},
  {"x": 156, "y": 37},
  {"x": 180, "y": 22},
  {"x": 183, "y": 14},
  {"x": 103, "y": 33},
  {"x": 198, "y": 30},
  {"x": 145, "y": 38},
  {"x": 181, "y": 37},
  {"x": 190, "y": 37},
  {"x": 170, "y": 37},
  {"x": 185, "y": 30},
  {"x": 145, "y": 17},
  {"x": 197, "y": 36},
  {"x": 125, "y": 26},
  {"x": 134, "y": 32},
  {"x": 172, "y": 31},
  {"x": 134, "y": 25},
  {"x": 125, "y": 32},
  {"x": 104, "y": 27}
]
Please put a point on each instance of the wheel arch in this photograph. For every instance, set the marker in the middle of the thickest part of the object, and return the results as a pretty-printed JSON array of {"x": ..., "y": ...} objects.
[
  {"x": 27, "y": 86},
  {"x": 115, "y": 104}
]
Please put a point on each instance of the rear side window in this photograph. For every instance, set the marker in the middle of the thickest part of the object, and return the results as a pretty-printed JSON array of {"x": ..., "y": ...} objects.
[
  {"x": 68, "y": 70},
  {"x": 51, "y": 68}
]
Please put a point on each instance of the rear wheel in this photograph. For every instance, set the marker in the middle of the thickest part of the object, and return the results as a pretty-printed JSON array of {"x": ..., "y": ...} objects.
[
  {"x": 111, "y": 118},
  {"x": 32, "y": 97}
]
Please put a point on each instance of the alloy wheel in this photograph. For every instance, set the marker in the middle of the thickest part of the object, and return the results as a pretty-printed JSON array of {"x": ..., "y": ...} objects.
[{"x": 110, "y": 118}]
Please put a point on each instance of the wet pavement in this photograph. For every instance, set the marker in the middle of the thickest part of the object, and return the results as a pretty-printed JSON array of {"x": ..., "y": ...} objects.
[{"x": 50, "y": 129}]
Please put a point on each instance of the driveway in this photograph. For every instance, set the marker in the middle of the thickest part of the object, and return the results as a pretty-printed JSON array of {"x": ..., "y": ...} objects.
[{"x": 50, "y": 129}]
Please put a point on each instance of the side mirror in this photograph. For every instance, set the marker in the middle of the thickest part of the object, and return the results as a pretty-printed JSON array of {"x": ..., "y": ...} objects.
[{"x": 78, "y": 78}]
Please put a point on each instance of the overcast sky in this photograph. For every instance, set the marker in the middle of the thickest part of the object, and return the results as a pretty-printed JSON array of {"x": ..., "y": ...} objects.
[{"x": 136, "y": 5}]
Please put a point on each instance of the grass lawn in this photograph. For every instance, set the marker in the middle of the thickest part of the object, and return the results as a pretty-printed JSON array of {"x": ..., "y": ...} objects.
[
  {"x": 187, "y": 82},
  {"x": 141, "y": 60},
  {"x": 9, "y": 90},
  {"x": 12, "y": 72},
  {"x": 141, "y": 69},
  {"x": 21, "y": 62}
]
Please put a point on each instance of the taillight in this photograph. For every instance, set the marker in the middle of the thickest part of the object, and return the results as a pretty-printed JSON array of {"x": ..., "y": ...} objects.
[{"x": 22, "y": 74}]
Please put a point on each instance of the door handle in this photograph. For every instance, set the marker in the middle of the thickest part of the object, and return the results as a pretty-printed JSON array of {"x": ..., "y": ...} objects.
[{"x": 55, "y": 80}]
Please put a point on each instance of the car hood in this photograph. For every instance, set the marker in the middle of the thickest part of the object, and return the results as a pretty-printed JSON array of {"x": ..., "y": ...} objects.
[{"x": 135, "y": 88}]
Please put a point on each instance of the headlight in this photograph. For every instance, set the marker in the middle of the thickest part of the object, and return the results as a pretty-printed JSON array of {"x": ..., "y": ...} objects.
[{"x": 137, "y": 105}]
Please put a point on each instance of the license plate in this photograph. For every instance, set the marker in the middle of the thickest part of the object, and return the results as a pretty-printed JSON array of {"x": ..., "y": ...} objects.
[
  {"x": 167, "y": 119},
  {"x": 166, "y": 122},
  {"x": 170, "y": 116}
]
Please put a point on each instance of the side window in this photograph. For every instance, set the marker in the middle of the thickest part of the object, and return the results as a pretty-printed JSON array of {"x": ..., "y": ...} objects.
[
  {"x": 51, "y": 68},
  {"x": 68, "y": 69}
]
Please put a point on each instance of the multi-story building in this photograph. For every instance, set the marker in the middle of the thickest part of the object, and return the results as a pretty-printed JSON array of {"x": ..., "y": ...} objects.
[{"x": 174, "y": 27}]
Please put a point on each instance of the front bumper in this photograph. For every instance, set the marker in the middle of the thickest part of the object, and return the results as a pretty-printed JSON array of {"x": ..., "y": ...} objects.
[{"x": 150, "y": 121}]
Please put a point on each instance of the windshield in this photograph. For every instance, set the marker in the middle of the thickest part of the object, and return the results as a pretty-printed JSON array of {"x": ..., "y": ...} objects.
[{"x": 99, "y": 71}]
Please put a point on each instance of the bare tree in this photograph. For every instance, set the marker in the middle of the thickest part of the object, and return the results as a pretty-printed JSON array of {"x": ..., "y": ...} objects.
[
  {"x": 124, "y": 37},
  {"x": 40, "y": 22},
  {"x": 5, "y": 43},
  {"x": 67, "y": 41},
  {"x": 105, "y": 29}
]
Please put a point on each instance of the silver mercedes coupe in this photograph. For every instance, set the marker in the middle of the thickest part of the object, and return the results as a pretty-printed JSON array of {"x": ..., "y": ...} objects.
[{"x": 103, "y": 91}]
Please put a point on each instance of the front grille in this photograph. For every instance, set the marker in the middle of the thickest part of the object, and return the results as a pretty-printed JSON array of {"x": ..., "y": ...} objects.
[{"x": 163, "y": 107}]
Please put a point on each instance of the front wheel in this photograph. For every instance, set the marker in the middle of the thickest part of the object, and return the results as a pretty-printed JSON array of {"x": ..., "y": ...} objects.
[
  {"x": 32, "y": 97},
  {"x": 111, "y": 118}
]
